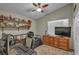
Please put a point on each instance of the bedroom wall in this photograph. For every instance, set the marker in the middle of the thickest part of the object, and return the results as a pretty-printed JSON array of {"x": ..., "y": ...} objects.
[
  {"x": 62, "y": 13},
  {"x": 15, "y": 31}
]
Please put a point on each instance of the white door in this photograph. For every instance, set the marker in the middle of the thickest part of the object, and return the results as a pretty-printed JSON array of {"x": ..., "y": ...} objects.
[{"x": 76, "y": 34}]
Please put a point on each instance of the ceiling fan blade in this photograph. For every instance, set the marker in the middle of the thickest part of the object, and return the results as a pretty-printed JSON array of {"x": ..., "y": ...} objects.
[
  {"x": 35, "y": 4},
  {"x": 45, "y": 5},
  {"x": 33, "y": 10},
  {"x": 39, "y": 4},
  {"x": 30, "y": 10}
]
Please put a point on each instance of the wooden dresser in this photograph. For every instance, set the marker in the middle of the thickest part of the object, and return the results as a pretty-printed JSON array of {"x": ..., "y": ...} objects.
[{"x": 56, "y": 41}]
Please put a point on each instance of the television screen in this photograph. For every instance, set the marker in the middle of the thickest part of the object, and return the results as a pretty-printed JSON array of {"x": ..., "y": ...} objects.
[{"x": 63, "y": 31}]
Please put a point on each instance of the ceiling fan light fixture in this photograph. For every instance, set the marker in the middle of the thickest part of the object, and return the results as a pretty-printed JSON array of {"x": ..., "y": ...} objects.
[{"x": 39, "y": 9}]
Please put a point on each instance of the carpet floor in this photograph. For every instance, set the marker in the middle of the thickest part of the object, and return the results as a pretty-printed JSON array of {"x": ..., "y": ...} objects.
[{"x": 48, "y": 50}]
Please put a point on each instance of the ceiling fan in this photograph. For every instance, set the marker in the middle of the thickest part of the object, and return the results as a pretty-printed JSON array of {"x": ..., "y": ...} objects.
[{"x": 38, "y": 7}]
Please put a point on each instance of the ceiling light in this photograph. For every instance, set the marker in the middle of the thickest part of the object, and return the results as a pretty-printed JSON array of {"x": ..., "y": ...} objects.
[{"x": 39, "y": 9}]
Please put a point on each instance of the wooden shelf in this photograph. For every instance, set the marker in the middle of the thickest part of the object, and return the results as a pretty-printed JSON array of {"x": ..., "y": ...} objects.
[{"x": 9, "y": 22}]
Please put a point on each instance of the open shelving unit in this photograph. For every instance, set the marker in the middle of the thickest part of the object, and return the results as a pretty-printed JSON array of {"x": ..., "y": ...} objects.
[{"x": 11, "y": 22}]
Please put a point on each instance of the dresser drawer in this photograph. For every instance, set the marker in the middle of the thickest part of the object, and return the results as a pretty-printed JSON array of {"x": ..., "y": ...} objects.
[
  {"x": 52, "y": 41},
  {"x": 63, "y": 44},
  {"x": 46, "y": 40},
  {"x": 64, "y": 47},
  {"x": 63, "y": 40},
  {"x": 56, "y": 41}
]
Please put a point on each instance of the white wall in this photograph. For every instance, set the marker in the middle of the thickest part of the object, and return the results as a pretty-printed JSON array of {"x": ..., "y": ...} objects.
[
  {"x": 56, "y": 23},
  {"x": 63, "y": 13},
  {"x": 15, "y": 31}
]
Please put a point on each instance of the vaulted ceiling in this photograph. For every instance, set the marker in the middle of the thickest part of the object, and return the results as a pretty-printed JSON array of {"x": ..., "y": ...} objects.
[{"x": 25, "y": 9}]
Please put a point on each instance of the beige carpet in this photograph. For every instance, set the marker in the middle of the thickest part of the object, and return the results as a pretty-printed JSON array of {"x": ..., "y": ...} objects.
[{"x": 48, "y": 50}]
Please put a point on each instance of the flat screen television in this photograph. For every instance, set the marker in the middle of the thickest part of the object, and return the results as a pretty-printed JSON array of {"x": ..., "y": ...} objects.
[{"x": 63, "y": 31}]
